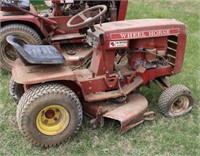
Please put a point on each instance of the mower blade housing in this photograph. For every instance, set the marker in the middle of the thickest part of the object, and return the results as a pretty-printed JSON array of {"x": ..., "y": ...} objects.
[{"x": 129, "y": 114}]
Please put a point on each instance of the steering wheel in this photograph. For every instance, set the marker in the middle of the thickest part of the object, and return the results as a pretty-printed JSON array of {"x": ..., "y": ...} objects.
[{"x": 87, "y": 20}]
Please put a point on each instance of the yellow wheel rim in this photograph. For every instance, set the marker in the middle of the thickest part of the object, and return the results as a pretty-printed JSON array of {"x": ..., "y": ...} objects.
[{"x": 52, "y": 120}]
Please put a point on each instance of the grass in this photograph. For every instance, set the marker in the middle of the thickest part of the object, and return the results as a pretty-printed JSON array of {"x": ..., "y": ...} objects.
[
  {"x": 37, "y": 2},
  {"x": 163, "y": 136}
]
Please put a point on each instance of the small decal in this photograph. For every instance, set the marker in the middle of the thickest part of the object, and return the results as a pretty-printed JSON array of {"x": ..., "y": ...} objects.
[{"x": 118, "y": 44}]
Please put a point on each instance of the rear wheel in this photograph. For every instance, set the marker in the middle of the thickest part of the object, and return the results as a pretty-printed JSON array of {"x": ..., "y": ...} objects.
[
  {"x": 175, "y": 101},
  {"x": 16, "y": 90},
  {"x": 7, "y": 53},
  {"x": 48, "y": 114}
]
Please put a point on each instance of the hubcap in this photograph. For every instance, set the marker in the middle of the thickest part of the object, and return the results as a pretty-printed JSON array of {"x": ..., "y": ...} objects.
[
  {"x": 52, "y": 120},
  {"x": 179, "y": 105}
]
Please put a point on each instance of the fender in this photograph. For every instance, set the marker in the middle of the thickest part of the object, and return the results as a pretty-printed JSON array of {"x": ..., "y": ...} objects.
[
  {"x": 23, "y": 19},
  {"x": 41, "y": 73}
]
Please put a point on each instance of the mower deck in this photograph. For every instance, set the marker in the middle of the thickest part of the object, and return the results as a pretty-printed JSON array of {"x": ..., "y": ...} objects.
[{"x": 129, "y": 114}]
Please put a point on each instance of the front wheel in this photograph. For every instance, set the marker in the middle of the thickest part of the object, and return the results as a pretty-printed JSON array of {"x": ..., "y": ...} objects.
[
  {"x": 175, "y": 101},
  {"x": 7, "y": 53},
  {"x": 48, "y": 114}
]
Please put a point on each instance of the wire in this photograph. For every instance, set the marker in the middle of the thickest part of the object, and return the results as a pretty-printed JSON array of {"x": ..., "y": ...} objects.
[{"x": 121, "y": 58}]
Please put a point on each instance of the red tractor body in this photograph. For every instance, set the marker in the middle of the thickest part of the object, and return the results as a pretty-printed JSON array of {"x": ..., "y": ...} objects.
[
  {"x": 165, "y": 38},
  {"x": 155, "y": 49}
]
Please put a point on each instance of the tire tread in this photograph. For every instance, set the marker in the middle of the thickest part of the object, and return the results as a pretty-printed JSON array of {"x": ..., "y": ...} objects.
[
  {"x": 38, "y": 91},
  {"x": 14, "y": 29},
  {"x": 167, "y": 95}
]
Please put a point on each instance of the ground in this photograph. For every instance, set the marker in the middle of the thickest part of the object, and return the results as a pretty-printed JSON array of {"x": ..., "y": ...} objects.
[{"x": 163, "y": 136}]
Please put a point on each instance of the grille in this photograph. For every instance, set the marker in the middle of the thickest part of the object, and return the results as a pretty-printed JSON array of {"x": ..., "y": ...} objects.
[{"x": 172, "y": 49}]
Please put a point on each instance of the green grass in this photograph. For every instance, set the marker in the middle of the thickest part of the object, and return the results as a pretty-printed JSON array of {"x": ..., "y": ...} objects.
[
  {"x": 37, "y": 2},
  {"x": 163, "y": 136}
]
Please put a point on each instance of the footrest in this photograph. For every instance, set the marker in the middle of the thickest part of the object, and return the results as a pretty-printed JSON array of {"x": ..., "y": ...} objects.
[{"x": 116, "y": 93}]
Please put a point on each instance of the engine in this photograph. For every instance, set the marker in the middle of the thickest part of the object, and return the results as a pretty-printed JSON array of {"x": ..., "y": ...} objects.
[{"x": 149, "y": 53}]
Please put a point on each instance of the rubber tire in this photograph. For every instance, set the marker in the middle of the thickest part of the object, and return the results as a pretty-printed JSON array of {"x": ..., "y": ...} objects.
[
  {"x": 43, "y": 95},
  {"x": 169, "y": 95},
  {"x": 23, "y": 32},
  {"x": 16, "y": 90}
]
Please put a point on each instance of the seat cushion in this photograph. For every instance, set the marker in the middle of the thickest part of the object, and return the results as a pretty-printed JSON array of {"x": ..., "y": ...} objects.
[{"x": 42, "y": 54}]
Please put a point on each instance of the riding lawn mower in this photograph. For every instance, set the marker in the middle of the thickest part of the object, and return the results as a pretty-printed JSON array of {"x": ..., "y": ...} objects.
[{"x": 52, "y": 96}]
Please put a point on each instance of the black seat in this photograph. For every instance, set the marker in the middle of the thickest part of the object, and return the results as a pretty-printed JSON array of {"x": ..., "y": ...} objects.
[
  {"x": 36, "y": 54},
  {"x": 24, "y": 4}
]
